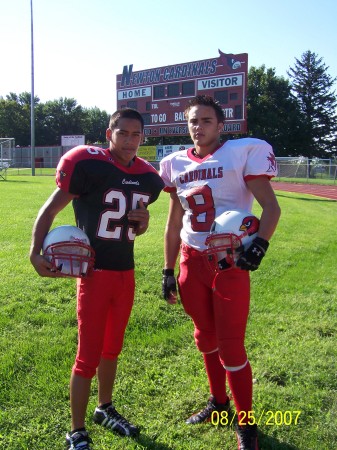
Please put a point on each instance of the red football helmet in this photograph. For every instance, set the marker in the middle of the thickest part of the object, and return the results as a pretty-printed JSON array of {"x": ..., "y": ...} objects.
[
  {"x": 68, "y": 249},
  {"x": 231, "y": 231}
]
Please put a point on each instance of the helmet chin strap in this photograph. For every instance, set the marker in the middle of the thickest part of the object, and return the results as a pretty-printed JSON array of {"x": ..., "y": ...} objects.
[
  {"x": 224, "y": 263},
  {"x": 215, "y": 289}
]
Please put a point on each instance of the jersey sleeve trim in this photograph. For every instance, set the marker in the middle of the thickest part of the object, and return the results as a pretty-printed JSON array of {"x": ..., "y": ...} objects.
[
  {"x": 169, "y": 189},
  {"x": 253, "y": 177}
]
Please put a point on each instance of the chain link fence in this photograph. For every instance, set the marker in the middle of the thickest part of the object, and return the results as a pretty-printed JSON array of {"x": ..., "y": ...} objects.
[
  {"x": 307, "y": 169},
  {"x": 289, "y": 169}
]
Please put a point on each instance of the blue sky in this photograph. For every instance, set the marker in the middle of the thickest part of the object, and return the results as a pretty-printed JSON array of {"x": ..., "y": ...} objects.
[{"x": 81, "y": 45}]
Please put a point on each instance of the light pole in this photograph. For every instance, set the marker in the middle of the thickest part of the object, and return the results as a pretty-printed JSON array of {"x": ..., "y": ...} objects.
[{"x": 32, "y": 108}]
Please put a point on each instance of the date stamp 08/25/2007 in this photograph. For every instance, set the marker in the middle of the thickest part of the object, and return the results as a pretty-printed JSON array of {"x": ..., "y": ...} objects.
[{"x": 267, "y": 417}]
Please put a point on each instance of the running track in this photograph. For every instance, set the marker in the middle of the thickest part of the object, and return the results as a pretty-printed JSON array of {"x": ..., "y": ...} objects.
[{"x": 313, "y": 189}]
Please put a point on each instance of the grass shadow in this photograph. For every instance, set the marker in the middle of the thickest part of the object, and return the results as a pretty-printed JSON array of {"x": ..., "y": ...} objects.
[
  {"x": 298, "y": 197},
  {"x": 151, "y": 444},
  {"x": 270, "y": 443}
]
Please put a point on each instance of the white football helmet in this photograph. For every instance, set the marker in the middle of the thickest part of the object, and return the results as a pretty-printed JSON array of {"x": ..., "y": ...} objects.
[
  {"x": 229, "y": 231},
  {"x": 68, "y": 249}
]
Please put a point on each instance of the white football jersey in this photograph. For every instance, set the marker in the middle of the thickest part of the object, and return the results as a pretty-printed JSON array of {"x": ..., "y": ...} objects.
[{"x": 217, "y": 183}]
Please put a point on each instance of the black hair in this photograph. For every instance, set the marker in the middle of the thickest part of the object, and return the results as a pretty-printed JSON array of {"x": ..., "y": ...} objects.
[
  {"x": 206, "y": 100},
  {"x": 125, "y": 113}
]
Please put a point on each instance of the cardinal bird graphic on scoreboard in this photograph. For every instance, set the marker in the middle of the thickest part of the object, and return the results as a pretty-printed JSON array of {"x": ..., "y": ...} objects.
[{"x": 229, "y": 60}]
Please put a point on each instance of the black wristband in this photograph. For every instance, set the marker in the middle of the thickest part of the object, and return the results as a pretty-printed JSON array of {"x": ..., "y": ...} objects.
[
  {"x": 168, "y": 272},
  {"x": 261, "y": 242}
]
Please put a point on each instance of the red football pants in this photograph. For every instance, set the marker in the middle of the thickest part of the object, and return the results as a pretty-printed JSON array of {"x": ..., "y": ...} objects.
[
  {"x": 104, "y": 303},
  {"x": 219, "y": 316}
]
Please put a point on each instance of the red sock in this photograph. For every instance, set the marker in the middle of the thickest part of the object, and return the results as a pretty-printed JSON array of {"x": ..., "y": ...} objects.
[
  {"x": 241, "y": 385},
  {"x": 216, "y": 376}
]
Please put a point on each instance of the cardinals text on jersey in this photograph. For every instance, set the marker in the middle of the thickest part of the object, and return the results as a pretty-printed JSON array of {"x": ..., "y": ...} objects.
[{"x": 207, "y": 187}]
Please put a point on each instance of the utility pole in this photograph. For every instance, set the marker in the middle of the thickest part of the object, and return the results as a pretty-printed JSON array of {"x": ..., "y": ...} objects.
[{"x": 32, "y": 105}]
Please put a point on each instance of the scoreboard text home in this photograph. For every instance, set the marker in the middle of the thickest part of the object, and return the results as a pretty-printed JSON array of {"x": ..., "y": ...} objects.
[{"x": 161, "y": 94}]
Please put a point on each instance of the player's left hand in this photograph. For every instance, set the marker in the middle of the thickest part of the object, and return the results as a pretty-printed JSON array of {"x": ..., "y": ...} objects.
[
  {"x": 141, "y": 216},
  {"x": 252, "y": 257}
]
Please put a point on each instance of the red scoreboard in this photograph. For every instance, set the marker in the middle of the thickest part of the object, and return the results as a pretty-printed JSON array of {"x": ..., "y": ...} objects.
[{"x": 161, "y": 94}]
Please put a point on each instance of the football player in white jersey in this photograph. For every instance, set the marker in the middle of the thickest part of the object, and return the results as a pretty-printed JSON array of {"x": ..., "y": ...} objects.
[{"x": 203, "y": 182}]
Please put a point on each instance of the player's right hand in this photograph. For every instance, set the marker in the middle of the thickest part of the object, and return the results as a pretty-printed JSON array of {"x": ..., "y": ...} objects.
[
  {"x": 169, "y": 286},
  {"x": 44, "y": 268}
]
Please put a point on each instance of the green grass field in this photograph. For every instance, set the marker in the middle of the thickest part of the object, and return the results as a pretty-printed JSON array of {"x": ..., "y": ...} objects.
[
  {"x": 324, "y": 181},
  {"x": 291, "y": 338}
]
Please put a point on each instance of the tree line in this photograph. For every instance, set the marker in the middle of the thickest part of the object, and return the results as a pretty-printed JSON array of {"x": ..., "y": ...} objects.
[
  {"x": 297, "y": 116},
  {"x": 53, "y": 119}
]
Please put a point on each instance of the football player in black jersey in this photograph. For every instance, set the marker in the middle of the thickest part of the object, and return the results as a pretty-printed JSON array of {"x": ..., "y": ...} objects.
[{"x": 110, "y": 190}]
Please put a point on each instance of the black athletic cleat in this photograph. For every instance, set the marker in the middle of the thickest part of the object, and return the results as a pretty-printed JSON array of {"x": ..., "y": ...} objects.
[
  {"x": 247, "y": 437},
  {"x": 111, "y": 419},
  {"x": 205, "y": 415},
  {"x": 79, "y": 440}
]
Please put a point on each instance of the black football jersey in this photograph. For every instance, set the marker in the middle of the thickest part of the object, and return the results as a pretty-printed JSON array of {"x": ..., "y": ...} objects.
[{"x": 105, "y": 192}]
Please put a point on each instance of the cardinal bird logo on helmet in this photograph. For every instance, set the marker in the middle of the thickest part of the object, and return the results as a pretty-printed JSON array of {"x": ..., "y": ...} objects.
[
  {"x": 250, "y": 225},
  {"x": 230, "y": 231}
]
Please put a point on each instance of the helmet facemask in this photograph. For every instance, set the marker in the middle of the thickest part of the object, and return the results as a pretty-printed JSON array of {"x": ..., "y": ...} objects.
[
  {"x": 68, "y": 249},
  {"x": 71, "y": 259},
  {"x": 222, "y": 250}
]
